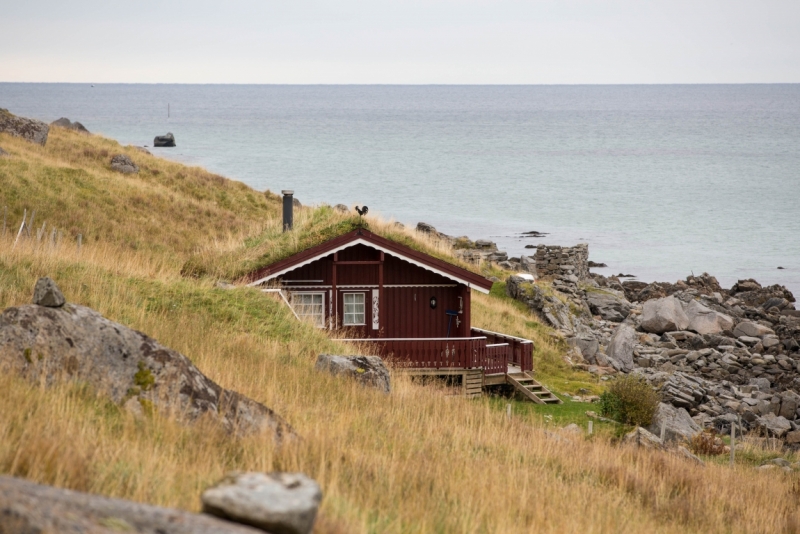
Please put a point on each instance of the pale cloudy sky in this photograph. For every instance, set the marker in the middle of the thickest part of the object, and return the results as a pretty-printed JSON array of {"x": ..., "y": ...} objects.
[{"x": 408, "y": 42}]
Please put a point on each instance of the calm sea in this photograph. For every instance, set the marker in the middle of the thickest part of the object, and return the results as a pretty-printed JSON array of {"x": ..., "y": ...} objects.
[{"x": 661, "y": 181}]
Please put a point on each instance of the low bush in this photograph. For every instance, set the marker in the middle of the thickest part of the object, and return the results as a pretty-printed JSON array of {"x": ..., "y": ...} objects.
[
  {"x": 707, "y": 442},
  {"x": 630, "y": 400}
]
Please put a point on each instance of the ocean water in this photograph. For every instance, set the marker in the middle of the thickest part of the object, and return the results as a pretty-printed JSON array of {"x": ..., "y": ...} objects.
[{"x": 661, "y": 181}]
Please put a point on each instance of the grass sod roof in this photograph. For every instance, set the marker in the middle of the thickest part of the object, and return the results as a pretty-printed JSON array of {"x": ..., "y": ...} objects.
[{"x": 312, "y": 226}]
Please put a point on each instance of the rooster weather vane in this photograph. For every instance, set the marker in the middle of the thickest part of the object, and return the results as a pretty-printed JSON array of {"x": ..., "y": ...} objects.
[{"x": 361, "y": 212}]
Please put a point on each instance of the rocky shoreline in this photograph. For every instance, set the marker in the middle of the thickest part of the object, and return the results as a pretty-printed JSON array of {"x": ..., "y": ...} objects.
[{"x": 723, "y": 355}]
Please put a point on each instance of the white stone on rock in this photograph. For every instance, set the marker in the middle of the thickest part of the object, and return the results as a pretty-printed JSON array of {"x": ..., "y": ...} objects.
[
  {"x": 280, "y": 503},
  {"x": 46, "y": 293}
]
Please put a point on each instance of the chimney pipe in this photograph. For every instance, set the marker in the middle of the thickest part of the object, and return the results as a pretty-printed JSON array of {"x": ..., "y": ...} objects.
[{"x": 288, "y": 209}]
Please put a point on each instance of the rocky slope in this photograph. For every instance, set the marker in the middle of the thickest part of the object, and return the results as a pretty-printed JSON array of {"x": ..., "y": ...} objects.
[{"x": 724, "y": 355}]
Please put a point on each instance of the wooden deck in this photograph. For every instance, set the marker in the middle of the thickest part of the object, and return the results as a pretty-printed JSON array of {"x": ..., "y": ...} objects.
[{"x": 485, "y": 359}]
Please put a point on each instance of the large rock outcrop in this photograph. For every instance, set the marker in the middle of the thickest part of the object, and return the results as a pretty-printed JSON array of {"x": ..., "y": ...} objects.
[
  {"x": 663, "y": 315},
  {"x": 46, "y": 344},
  {"x": 29, "y": 508},
  {"x": 28, "y": 129}
]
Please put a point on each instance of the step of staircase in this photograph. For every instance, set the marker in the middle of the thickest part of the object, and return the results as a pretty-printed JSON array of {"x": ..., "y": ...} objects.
[{"x": 531, "y": 389}]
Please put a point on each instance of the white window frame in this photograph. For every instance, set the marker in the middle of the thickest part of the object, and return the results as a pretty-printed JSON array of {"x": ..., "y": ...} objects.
[
  {"x": 317, "y": 319},
  {"x": 363, "y": 312}
]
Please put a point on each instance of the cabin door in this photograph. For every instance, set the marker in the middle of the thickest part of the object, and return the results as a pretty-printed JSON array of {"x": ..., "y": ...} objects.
[{"x": 355, "y": 312}]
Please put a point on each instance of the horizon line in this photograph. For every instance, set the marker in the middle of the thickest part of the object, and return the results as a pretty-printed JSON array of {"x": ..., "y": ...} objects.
[{"x": 414, "y": 84}]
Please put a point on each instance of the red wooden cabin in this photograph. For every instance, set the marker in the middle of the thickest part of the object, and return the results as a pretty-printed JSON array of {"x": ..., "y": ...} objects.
[{"x": 414, "y": 307}]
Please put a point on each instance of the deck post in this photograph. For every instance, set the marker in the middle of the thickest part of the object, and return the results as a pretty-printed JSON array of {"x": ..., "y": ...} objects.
[
  {"x": 381, "y": 320},
  {"x": 334, "y": 297}
]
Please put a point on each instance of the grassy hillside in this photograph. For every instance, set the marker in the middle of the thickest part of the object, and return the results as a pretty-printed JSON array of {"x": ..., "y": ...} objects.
[{"x": 415, "y": 461}]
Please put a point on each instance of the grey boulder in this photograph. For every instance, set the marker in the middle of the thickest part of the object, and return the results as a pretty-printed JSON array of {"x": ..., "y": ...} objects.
[
  {"x": 3, "y": 153},
  {"x": 663, "y": 315},
  {"x": 164, "y": 140},
  {"x": 28, "y": 129},
  {"x": 774, "y": 425},
  {"x": 640, "y": 437},
  {"x": 620, "y": 348},
  {"x": 608, "y": 306},
  {"x": 678, "y": 424},
  {"x": 64, "y": 122},
  {"x": 124, "y": 164},
  {"x": 45, "y": 344},
  {"x": 751, "y": 329},
  {"x": 46, "y": 293},
  {"x": 704, "y": 320},
  {"x": 29, "y": 508},
  {"x": 280, "y": 503},
  {"x": 367, "y": 370}
]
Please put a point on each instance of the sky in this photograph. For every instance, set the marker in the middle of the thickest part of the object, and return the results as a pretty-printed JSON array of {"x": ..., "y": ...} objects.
[{"x": 408, "y": 42}]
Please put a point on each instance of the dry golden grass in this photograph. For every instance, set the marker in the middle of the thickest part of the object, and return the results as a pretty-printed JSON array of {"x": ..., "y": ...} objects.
[{"x": 414, "y": 461}]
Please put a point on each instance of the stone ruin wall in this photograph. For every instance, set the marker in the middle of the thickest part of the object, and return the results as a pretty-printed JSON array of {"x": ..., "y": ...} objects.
[{"x": 561, "y": 261}]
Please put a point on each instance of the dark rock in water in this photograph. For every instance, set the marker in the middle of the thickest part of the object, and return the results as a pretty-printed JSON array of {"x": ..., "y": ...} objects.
[
  {"x": 620, "y": 275},
  {"x": 64, "y": 122},
  {"x": 781, "y": 267},
  {"x": 28, "y": 129},
  {"x": 368, "y": 370},
  {"x": 124, "y": 164},
  {"x": 530, "y": 246},
  {"x": 534, "y": 233},
  {"x": 47, "y": 344},
  {"x": 28, "y": 508},
  {"x": 46, "y": 293},
  {"x": 164, "y": 140},
  {"x": 283, "y": 503},
  {"x": 595, "y": 264}
]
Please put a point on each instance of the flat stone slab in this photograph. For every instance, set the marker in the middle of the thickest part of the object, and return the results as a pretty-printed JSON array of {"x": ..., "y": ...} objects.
[
  {"x": 28, "y": 508},
  {"x": 282, "y": 503}
]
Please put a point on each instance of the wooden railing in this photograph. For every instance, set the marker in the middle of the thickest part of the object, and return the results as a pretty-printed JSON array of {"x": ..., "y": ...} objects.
[
  {"x": 520, "y": 350},
  {"x": 431, "y": 353},
  {"x": 488, "y": 350},
  {"x": 496, "y": 359}
]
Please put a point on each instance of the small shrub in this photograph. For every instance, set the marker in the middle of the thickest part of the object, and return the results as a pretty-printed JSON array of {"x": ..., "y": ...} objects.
[
  {"x": 630, "y": 400},
  {"x": 707, "y": 442},
  {"x": 143, "y": 377}
]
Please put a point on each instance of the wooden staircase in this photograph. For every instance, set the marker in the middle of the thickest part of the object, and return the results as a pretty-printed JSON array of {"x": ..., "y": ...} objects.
[{"x": 530, "y": 388}]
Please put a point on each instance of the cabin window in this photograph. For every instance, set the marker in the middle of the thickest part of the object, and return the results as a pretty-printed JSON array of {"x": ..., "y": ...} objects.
[
  {"x": 309, "y": 307},
  {"x": 354, "y": 309}
]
